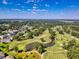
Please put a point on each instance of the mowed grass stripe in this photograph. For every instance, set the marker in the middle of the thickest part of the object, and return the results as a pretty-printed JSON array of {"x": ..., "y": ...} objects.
[{"x": 50, "y": 55}]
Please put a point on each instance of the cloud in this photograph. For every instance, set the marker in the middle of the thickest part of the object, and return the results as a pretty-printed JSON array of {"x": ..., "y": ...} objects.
[
  {"x": 5, "y": 2},
  {"x": 16, "y": 9},
  {"x": 47, "y": 5},
  {"x": 18, "y": 4},
  {"x": 28, "y": 9},
  {"x": 56, "y": 3},
  {"x": 34, "y": 7},
  {"x": 34, "y": 1},
  {"x": 41, "y": 14}
]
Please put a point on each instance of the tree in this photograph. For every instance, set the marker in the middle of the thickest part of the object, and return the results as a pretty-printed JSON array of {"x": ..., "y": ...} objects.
[
  {"x": 30, "y": 35},
  {"x": 40, "y": 49},
  {"x": 36, "y": 33},
  {"x": 70, "y": 45},
  {"x": 72, "y": 48}
]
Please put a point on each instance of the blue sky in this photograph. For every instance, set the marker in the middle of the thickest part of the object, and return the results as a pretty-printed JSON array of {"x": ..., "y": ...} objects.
[{"x": 39, "y": 9}]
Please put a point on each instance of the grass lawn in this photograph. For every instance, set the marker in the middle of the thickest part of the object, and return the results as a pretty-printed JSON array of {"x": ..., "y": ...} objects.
[
  {"x": 22, "y": 44},
  {"x": 51, "y": 55},
  {"x": 56, "y": 51}
]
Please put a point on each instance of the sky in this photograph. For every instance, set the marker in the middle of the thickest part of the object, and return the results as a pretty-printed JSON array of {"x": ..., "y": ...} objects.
[{"x": 39, "y": 9}]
